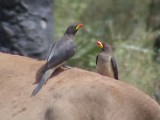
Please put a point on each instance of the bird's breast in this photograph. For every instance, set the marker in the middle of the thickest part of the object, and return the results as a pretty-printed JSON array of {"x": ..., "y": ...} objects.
[{"x": 104, "y": 66}]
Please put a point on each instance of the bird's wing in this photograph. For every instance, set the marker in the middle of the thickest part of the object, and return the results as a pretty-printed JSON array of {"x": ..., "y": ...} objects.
[
  {"x": 115, "y": 68},
  {"x": 96, "y": 59},
  {"x": 50, "y": 53},
  {"x": 61, "y": 51}
]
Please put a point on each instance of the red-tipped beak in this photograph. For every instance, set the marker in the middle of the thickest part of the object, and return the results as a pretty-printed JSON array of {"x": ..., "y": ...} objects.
[
  {"x": 99, "y": 44},
  {"x": 79, "y": 26}
]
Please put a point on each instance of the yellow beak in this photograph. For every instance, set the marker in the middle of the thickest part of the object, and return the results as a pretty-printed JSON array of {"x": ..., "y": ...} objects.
[
  {"x": 99, "y": 44},
  {"x": 79, "y": 26}
]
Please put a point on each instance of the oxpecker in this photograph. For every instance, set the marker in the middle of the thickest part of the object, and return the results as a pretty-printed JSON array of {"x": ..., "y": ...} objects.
[
  {"x": 105, "y": 62},
  {"x": 62, "y": 50}
]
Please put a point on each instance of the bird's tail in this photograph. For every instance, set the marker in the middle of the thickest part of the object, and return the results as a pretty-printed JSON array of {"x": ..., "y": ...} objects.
[{"x": 43, "y": 80}]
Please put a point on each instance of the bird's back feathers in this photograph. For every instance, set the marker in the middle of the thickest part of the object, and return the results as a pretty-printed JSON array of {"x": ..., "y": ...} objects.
[{"x": 62, "y": 50}]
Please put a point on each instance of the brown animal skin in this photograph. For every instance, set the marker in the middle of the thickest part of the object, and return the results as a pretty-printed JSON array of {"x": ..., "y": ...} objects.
[{"x": 74, "y": 94}]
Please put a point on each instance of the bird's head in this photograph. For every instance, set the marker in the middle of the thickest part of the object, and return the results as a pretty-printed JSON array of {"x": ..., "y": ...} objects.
[
  {"x": 104, "y": 47},
  {"x": 72, "y": 29}
]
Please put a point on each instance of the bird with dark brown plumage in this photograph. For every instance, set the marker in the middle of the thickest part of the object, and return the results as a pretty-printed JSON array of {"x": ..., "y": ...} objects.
[
  {"x": 62, "y": 50},
  {"x": 105, "y": 62}
]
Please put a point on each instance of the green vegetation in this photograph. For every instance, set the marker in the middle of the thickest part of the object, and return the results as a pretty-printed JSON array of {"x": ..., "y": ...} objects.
[{"x": 121, "y": 23}]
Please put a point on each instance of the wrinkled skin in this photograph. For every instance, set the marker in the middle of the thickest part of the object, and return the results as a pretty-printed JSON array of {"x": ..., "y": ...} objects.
[{"x": 73, "y": 94}]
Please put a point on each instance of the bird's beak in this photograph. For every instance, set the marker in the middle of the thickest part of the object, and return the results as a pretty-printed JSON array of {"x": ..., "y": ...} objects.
[
  {"x": 79, "y": 26},
  {"x": 99, "y": 44}
]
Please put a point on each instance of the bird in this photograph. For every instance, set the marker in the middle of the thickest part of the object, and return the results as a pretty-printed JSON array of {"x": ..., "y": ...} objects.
[
  {"x": 105, "y": 62},
  {"x": 62, "y": 50}
]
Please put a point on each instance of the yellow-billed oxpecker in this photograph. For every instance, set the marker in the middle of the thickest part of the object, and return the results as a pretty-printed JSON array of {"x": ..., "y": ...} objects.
[
  {"x": 105, "y": 62},
  {"x": 62, "y": 50}
]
